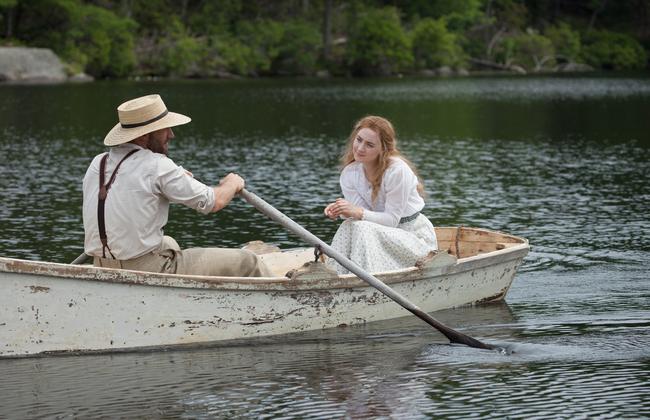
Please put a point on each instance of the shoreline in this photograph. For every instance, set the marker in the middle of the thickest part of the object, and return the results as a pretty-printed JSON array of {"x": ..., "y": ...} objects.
[{"x": 469, "y": 74}]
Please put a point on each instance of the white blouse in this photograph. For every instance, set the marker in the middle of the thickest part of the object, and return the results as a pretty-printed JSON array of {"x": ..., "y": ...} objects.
[{"x": 398, "y": 196}]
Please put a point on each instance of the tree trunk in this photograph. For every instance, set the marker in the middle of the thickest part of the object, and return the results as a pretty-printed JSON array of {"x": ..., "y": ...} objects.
[
  {"x": 494, "y": 41},
  {"x": 327, "y": 30},
  {"x": 488, "y": 63},
  {"x": 184, "y": 10},
  {"x": 9, "y": 29},
  {"x": 643, "y": 18},
  {"x": 125, "y": 7},
  {"x": 597, "y": 10}
]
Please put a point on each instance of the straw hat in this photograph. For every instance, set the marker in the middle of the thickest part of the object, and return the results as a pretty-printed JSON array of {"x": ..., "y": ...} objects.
[{"x": 140, "y": 116}]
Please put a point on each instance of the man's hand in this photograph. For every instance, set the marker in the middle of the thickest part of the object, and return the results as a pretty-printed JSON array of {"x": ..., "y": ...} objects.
[
  {"x": 234, "y": 180},
  {"x": 228, "y": 187}
]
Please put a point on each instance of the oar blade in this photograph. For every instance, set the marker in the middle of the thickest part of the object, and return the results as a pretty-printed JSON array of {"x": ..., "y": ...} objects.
[{"x": 452, "y": 335}]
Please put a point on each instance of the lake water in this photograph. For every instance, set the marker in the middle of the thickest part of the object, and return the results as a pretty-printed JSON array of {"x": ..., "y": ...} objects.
[{"x": 562, "y": 161}]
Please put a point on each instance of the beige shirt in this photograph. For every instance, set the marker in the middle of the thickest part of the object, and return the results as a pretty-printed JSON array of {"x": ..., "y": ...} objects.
[
  {"x": 137, "y": 205},
  {"x": 398, "y": 196}
]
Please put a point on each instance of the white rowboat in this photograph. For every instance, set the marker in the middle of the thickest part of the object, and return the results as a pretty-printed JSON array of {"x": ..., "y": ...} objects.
[{"x": 50, "y": 308}]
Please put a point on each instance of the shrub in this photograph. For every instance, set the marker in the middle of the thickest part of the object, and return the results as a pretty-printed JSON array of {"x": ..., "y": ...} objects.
[
  {"x": 87, "y": 36},
  {"x": 107, "y": 42},
  {"x": 434, "y": 46},
  {"x": 264, "y": 37},
  {"x": 530, "y": 50},
  {"x": 180, "y": 55},
  {"x": 613, "y": 50},
  {"x": 298, "y": 50},
  {"x": 565, "y": 40},
  {"x": 265, "y": 47},
  {"x": 378, "y": 44},
  {"x": 228, "y": 53}
]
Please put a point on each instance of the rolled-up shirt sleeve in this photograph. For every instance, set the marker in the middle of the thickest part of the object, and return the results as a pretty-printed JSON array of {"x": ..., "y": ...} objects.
[{"x": 173, "y": 182}]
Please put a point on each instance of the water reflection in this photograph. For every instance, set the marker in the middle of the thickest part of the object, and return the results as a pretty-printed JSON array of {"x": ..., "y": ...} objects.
[{"x": 400, "y": 368}]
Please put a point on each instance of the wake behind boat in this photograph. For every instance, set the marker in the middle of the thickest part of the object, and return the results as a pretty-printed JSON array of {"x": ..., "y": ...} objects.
[{"x": 50, "y": 308}]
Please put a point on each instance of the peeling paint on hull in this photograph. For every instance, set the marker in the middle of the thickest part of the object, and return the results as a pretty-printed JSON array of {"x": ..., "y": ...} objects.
[{"x": 47, "y": 307}]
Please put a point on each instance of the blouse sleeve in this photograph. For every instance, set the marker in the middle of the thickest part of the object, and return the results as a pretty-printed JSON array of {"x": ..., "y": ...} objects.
[
  {"x": 398, "y": 182},
  {"x": 349, "y": 189}
]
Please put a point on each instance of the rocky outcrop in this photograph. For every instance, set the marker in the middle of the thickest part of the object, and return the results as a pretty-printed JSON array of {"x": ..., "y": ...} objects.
[{"x": 19, "y": 64}]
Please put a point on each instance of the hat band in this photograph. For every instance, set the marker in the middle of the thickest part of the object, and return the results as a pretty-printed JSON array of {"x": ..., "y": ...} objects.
[{"x": 140, "y": 124}]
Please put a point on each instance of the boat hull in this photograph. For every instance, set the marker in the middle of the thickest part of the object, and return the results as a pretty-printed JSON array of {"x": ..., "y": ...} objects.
[{"x": 50, "y": 308}]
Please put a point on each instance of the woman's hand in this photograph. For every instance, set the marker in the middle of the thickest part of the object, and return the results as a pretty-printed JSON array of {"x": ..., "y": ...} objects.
[
  {"x": 343, "y": 208},
  {"x": 329, "y": 212}
]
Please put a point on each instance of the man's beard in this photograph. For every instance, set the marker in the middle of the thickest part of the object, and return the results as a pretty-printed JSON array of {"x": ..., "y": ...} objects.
[{"x": 158, "y": 146}]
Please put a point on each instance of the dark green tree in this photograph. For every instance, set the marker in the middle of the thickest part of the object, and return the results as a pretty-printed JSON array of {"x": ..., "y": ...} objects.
[
  {"x": 377, "y": 43},
  {"x": 434, "y": 45}
]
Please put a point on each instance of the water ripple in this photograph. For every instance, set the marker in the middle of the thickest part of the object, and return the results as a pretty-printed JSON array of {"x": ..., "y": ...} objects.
[
  {"x": 560, "y": 161},
  {"x": 506, "y": 89}
]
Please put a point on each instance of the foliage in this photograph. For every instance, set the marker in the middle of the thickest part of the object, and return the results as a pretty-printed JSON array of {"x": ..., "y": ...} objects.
[
  {"x": 264, "y": 37},
  {"x": 86, "y": 35},
  {"x": 565, "y": 40},
  {"x": 378, "y": 44},
  {"x": 530, "y": 50},
  {"x": 510, "y": 14},
  {"x": 299, "y": 49},
  {"x": 611, "y": 50},
  {"x": 459, "y": 14},
  {"x": 215, "y": 18},
  {"x": 117, "y": 38},
  {"x": 229, "y": 54},
  {"x": 157, "y": 18},
  {"x": 179, "y": 55},
  {"x": 106, "y": 42},
  {"x": 533, "y": 51},
  {"x": 434, "y": 46}
]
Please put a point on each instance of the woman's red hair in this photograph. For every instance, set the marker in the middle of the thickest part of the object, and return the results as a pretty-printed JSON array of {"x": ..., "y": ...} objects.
[{"x": 389, "y": 149}]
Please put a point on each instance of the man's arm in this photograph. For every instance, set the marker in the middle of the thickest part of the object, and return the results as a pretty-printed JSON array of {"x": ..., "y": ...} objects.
[{"x": 228, "y": 187}]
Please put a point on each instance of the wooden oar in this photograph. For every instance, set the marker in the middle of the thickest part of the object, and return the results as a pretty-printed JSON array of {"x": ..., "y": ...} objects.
[{"x": 274, "y": 214}]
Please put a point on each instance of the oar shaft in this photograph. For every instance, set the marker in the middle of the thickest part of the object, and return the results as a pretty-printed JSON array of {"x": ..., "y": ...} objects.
[
  {"x": 81, "y": 259},
  {"x": 312, "y": 239},
  {"x": 276, "y": 215}
]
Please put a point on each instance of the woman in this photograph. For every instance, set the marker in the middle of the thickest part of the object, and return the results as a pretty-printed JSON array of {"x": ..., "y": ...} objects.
[{"x": 383, "y": 197}]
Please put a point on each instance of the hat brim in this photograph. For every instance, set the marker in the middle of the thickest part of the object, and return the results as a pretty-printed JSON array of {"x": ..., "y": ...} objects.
[{"x": 121, "y": 135}]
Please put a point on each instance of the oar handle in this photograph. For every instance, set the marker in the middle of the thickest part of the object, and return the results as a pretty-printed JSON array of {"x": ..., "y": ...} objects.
[{"x": 276, "y": 215}]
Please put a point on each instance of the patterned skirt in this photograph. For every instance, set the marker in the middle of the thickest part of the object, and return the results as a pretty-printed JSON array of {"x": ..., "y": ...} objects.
[{"x": 378, "y": 248}]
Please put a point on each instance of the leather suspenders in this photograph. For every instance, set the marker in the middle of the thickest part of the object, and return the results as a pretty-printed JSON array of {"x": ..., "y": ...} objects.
[{"x": 103, "y": 192}]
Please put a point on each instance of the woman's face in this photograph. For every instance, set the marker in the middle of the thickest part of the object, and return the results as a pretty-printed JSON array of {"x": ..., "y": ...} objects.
[{"x": 366, "y": 146}]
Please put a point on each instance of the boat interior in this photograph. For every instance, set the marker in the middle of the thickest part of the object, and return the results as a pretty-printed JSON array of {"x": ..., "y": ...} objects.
[{"x": 461, "y": 242}]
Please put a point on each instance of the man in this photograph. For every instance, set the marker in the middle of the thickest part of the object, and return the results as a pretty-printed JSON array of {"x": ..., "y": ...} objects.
[{"x": 126, "y": 196}]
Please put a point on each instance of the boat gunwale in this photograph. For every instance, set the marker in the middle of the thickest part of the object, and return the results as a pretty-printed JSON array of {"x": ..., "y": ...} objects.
[{"x": 268, "y": 284}]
